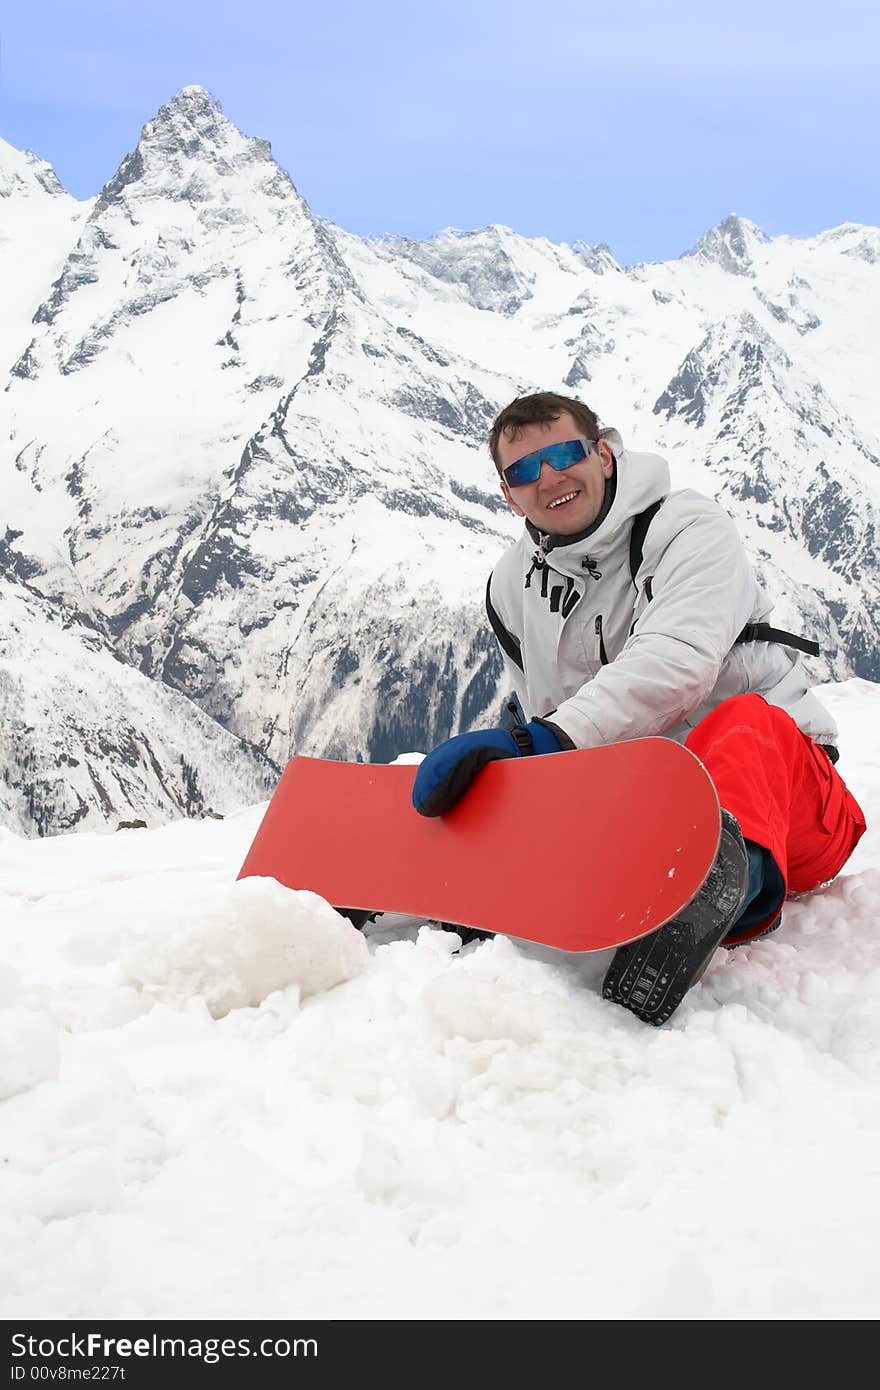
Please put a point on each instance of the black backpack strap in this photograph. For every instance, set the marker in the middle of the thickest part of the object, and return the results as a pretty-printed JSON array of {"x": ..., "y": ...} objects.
[
  {"x": 506, "y": 640},
  {"x": 752, "y": 632},
  {"x": 763, "y": 632},
  {"x": 637, "y": 536}
]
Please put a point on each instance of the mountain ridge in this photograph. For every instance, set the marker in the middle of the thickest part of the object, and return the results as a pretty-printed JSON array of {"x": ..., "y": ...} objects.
[{"x": 254, "y": 443}]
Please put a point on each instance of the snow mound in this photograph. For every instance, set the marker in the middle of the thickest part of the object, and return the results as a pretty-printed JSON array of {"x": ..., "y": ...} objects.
[
  {"x": 28, "y": 1050},
  {"x": 235, "y": 944}
]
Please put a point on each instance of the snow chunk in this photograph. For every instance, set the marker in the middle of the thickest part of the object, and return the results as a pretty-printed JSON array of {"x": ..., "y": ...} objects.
[
  {"x": 499, "y": 995},
  {"x": 28, "y": 1050},
  {"x": 235, "y": 944},
  {"x": 855, "y": 1036},
  {"x": 80, "y": 1183}
]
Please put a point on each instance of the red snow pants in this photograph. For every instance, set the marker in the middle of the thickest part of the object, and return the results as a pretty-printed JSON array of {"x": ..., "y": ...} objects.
[{"x": 782, "y": 788}]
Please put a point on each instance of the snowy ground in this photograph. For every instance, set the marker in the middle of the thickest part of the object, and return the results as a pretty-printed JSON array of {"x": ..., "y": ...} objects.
[{"x": 218, "y": 1100}]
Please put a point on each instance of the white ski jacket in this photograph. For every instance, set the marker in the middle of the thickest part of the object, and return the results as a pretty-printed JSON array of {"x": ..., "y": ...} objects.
[{"x": 607, "y": 659}]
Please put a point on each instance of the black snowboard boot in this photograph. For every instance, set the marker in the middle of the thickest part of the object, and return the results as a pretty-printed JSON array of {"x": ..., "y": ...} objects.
[
  {"x": 651, "y": 977},
  {"x": 359, "y": 917}
]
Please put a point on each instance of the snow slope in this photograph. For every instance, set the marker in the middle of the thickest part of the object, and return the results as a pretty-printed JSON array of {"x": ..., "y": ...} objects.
[{"x": 219, "y": 1100}]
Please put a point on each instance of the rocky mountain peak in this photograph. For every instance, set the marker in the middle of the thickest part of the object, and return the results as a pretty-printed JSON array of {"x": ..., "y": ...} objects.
[
  {"x": 24, "y": 173},
  {"x": 192, "y": 123},
  {"x": 731, "y": 245},
  {"x": 600, "y": 258},
  {"x": 484, "y": 265},
  {"x": 853, "y": 239},
  {"x": 170, "y": 222},
  {"x": 187, "y": 139}
]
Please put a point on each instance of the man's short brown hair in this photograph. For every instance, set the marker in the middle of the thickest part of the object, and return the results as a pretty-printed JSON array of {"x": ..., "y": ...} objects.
[{"x": 540, "y": 409}]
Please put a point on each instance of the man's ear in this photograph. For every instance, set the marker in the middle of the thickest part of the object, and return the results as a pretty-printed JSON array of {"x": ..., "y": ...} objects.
[
  {"x": 606, "y": 456},
  {"x": 509, "y": 500}
]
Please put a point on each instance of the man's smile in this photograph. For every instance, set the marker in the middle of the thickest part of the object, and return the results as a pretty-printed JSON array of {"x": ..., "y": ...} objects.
[{"x": 561, "y": 501}]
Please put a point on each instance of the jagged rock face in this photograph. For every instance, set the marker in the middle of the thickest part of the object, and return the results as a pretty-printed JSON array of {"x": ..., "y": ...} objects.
[
  {"x": 477, "y": 264},
  {"x": 599, "y": 259},
  {"x": 248, "y": 509},
  {"x": 799, "y": 482},
  {"x": 38, "y": 224},
  {"x": 731, "y": 245},
  {"x": 323, "y": 543},
  {"x": 86, "y": 741}
]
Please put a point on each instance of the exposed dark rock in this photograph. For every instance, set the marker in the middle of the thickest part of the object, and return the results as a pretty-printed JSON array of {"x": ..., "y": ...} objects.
[
  {"x": 483, "y": 684},
  {"x": 686, "y": 393},
  {"x": 578, "y": 373},
  {"x": 493, "y": 502},
  {"x": 14, "y": 564},
  {"x": 424, "y": 348},
  {"x": 347, "y": 662},
  {"x": 26, "y": 366},
  {"x": 414, "y": 707},
  {"x": 219, "y": 560}
]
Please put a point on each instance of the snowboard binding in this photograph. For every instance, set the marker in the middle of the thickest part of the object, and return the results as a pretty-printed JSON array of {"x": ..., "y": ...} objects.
[{"x": 359, "y": 917}]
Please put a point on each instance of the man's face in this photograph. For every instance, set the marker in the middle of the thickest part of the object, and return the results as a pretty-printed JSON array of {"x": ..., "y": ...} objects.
[{"x": 561, "y": 503}]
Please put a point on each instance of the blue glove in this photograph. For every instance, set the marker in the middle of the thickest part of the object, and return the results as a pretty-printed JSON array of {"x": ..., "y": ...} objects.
[{"x": 447, "y": 772}]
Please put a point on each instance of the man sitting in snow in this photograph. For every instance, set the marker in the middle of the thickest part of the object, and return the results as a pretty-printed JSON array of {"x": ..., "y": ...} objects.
[{"x": 626, "y": 610}]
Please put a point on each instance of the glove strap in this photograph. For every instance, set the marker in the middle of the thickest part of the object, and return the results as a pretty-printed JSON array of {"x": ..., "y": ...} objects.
[{"x": 523, "y": 741}]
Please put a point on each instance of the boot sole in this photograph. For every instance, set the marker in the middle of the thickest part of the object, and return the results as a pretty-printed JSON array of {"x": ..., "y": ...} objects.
[{"x": 652, "y": 976}]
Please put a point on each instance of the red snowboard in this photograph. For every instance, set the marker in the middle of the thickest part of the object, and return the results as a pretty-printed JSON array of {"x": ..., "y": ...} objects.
[{"x": 580, "y": 850}]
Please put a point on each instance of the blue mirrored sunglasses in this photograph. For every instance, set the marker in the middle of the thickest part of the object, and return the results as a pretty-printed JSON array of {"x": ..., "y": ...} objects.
[{"x": 559, "y": 456}]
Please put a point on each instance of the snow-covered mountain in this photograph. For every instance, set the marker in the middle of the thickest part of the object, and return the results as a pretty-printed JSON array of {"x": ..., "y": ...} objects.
[
  {"x": 39, "y": 222},
  {"x": 85, "y": 737},
  {"x": 246, "y": 449}
]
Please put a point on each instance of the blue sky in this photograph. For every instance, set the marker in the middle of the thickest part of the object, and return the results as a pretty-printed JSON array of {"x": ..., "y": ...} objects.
[{"x": 629, "y": 123}]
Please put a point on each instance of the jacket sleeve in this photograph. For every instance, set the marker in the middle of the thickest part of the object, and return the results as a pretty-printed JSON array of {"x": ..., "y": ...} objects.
[{"x": 704, "y": 592}]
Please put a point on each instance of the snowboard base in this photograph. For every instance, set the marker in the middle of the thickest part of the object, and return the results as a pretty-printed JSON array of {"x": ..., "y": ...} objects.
[{"x": 579, "y": 850}]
